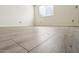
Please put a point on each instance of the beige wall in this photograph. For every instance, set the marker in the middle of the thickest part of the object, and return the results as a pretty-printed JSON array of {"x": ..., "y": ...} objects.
[
  {"x": 63, "y": 15},
  {"x": 16, "y": 15},
  {"x": 23, "y": 15}
]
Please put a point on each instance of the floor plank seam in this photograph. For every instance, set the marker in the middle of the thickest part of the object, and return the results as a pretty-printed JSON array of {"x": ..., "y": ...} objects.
[
  {"x": 20, "y": 45},
  {"x": 41, "y": 43}
]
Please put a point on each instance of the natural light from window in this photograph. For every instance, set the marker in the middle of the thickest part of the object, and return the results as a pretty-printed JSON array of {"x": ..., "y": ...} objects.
[{"x": 46, "y": 10}]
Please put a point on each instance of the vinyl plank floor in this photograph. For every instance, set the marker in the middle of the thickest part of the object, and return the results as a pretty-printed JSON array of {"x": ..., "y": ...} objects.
[
  {"x": 52, "y": 45},
  {"x": 31, "y": 40},
  {"x": 39, "y": 39},
  {"x": 10, "y": 46}
]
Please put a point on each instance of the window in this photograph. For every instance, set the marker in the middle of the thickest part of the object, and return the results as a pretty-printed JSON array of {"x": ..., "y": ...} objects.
[{"x": 46, "y": 10}]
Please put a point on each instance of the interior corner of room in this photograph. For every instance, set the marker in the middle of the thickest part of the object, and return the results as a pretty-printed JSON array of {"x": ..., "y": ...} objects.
[
  {"x": 39, "y": 29},
  {"x": 28, "y": 15}
]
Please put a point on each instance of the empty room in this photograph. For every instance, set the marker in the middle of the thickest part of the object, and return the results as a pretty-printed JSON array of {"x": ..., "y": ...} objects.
[{"x": 39, "y": 28}]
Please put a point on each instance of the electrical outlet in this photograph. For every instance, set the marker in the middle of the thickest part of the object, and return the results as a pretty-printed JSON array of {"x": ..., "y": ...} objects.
[
  {"x": 20, "y": 22},
  {"x": 76, "y": 6},
  {"x": 72, "y": 20}
]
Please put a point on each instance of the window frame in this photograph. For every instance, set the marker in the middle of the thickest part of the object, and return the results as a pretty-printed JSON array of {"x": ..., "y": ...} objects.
[{"x": 52, "y": 12}]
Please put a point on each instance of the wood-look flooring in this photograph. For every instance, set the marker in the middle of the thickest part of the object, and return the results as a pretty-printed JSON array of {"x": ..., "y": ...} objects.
[{"x": 39, "y": 39}]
